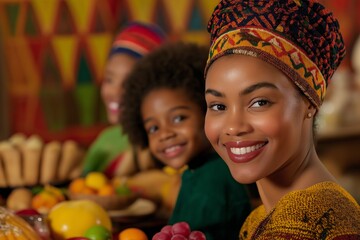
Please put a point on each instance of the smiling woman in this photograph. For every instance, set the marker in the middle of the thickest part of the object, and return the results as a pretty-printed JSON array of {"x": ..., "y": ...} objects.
[
  {"x": 266, "y": 77},
  {"x": 111, "y": 152}
]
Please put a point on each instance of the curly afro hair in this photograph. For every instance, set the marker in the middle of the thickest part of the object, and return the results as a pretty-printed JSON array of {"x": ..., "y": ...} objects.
[{"x": 174, "y": 66}]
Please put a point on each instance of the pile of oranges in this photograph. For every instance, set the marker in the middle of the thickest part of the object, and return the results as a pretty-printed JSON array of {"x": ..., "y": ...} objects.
[{"x": 94, "y": 183}]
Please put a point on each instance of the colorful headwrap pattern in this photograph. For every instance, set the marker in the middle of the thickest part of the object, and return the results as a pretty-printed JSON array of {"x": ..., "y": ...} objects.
[
  {"x": 138, "y": 39},
  {"x": 299, "y": 37}
]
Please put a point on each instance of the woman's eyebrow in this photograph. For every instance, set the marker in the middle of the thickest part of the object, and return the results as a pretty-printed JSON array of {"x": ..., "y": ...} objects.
[
  {"x": 247, "y": 90},
  {"x": 256, "y": 86}
]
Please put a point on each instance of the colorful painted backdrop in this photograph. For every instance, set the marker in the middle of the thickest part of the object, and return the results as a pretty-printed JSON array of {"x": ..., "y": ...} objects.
[{"x": 55, "y": 52}]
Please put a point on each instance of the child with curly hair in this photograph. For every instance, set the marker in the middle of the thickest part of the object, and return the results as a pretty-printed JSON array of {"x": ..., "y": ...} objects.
[{"x": 164, "y": 109}]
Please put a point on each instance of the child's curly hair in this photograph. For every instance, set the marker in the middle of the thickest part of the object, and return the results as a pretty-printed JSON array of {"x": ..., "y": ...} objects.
[{"x": 174, "y": 66}]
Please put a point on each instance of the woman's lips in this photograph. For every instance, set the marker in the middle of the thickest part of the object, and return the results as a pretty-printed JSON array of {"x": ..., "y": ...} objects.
[
  {"x": 242, "y": 152},
  {"x": 113, "y": 107}
]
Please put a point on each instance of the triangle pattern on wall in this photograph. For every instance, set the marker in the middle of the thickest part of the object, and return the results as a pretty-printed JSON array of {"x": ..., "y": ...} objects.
[
  {"x": 141, "y": 10},
  {"x": 46, "y": 12},
  {"x": 84, "y": 74},
  {"x": 65, "y": 49},
  {"x": 82, "y": 11},
  {"x": 178, "y": 14},
  {"x": 31, "y": 23},
  {"x": 65, "y": 22},
  {"x": 99, "y": 46},
  {"x": 12, "y": 11}
]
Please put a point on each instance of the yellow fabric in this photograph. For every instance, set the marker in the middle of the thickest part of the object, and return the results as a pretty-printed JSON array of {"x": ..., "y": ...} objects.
[
  {"x": 172, "y": 171},
  {"x": 323, "y": 211}
]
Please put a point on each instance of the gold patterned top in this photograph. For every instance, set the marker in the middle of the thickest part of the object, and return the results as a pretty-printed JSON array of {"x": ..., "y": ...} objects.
[{"x": 322, "y": 211}]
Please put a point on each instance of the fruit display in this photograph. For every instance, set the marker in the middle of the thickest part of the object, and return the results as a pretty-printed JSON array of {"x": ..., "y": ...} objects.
[
  {"x": 98, "y": 232},
  {"x": 13, "y": 227},
  {"x": 96, "y": 187},
  {"x": 42, "y": 201},
  {"x": 47, "y": 198},
  {"x": 29, "y": 161},
  {"x": 37, "y": 221},
  {"x": 179, "y": 231},
  {"x": 74, "y": 217},
  {"x": 132, "y": 234}
]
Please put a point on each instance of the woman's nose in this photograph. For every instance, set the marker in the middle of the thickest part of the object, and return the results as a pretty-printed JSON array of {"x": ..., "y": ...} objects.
[{"x": 236, "y": 123}]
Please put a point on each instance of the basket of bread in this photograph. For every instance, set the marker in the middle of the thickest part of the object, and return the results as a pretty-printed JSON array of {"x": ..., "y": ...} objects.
[{"x": 29, "y": 161}]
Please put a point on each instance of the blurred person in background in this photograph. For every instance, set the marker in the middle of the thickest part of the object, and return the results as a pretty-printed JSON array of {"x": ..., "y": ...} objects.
[{"x": 111, "y": 152}]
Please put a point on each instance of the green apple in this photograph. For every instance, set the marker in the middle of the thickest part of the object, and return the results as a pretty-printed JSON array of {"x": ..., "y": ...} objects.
[
  {"x": 98, "y": 232},
  {"x": 123, "y": 190}
]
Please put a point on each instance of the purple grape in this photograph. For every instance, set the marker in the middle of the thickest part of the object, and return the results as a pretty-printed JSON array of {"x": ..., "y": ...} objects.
[
  {"x": 181, "y": 228},
  {"x": 178, "y": 237},
  {"x": 167, "y": 229},
  {"x": 161, "y": 236},
  {"x": 197, "y": 235}
]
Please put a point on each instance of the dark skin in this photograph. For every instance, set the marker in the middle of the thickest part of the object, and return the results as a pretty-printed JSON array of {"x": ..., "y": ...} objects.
[
  {"x": 262, "y": 128},
  {"x": 174, "y": 126}
]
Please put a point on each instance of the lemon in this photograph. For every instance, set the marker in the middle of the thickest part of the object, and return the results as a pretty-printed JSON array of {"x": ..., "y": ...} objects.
[
  {"x": 72, "y": 218},
  {"x": 96, "y": 180}
]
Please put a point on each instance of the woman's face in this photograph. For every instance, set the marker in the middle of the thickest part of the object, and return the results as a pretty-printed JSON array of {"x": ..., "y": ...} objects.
[
  {"x": 174, "y": 125},
  {"x": 256, "y": 118},
  {"x": 117, "y": 68}
]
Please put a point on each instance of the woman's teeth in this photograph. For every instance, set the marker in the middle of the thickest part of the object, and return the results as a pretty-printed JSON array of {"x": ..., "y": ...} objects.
[
  {"x": 113, "y": 106},
  {"x": 245, "y": 150}
]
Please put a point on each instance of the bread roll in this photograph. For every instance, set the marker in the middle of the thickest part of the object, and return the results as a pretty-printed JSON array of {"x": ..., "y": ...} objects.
[
  {"x": 12, "y": 163},
  {"x": 78, "y": 167},
  {"x": 31, "y": 152},
  {"x": 69, "y": 159},
  {"x": 50, "y": 162},
  {"x": 19, "y": 199},
  {"x": 3, "y": 182},
  {"x": 17, "y": 140}
]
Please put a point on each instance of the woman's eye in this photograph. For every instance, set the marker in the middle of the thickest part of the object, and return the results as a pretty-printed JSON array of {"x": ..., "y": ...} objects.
[
  {"x": 260, "y": 103},
  {"x": 217, "y": 107},
  {"x": 179, "y": 118}
]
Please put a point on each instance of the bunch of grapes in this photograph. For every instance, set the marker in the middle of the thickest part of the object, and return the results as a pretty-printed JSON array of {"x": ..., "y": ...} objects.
[{"x": 178, "y": 231}]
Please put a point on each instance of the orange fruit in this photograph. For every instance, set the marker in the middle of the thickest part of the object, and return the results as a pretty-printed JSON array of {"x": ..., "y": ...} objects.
[
  {"x": 44, "y": 201},
  {"x": 88, "y": 190},
  {"x": 106, "y": 190},
  {"x": 132, "y": 234},
  {"x": 77, "y": 185}
]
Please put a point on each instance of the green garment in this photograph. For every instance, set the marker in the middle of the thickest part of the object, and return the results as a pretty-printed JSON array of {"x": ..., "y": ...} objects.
[
  {"x": 108, "y": 145},
  {"x": 210, "y": 200}
]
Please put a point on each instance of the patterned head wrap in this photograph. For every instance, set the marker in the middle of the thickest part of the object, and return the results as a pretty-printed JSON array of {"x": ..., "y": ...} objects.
[
  {"x": 299, "y": 37},
  {"x": 138, "y": 39}
]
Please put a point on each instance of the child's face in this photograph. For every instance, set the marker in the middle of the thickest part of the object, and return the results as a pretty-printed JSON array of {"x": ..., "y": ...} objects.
[
  {"x": 117, "y": 68},
  {"x": 174, "y": 125},
  {"x": 256, "y": 119}
]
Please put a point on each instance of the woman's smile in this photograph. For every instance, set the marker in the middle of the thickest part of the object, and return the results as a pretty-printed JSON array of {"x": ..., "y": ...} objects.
[{"x": 241, "y": 152}]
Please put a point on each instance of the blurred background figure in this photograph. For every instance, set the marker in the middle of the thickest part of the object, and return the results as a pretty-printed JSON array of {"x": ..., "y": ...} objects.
[{"x": 111, "y": 151}]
